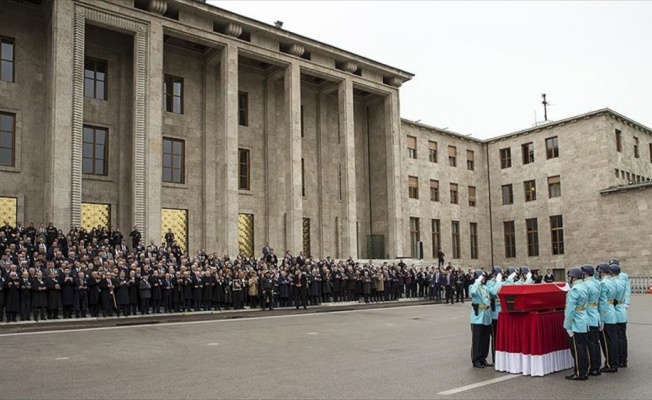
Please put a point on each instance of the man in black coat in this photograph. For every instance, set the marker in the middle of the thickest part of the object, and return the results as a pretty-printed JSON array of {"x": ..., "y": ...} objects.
[
  {"x": 12, "y": 299},
  {"x": 81, "y": 295},
  {"x": 301, "y": 289},
  {"x": 53, "y": 284},
  {"x": 135, "y": 237},
  {"x": 67, "y": 293},
  {"x": 267, "y": 286}
]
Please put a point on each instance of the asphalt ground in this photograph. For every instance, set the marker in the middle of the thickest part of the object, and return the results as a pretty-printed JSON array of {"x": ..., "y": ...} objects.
[{"x": 409, "y": 352}]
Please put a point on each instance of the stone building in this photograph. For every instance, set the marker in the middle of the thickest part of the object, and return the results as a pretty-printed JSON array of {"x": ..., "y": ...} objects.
[{"x": 174, "y": 114}]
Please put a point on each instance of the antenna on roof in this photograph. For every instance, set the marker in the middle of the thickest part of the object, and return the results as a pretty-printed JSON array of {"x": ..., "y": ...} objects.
[
  {"x": 278, "y": 24},
  {"x": 545, "y": 107}
]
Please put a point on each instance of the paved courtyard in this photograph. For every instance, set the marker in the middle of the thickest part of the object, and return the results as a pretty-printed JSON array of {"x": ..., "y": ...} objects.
[{"x": 404, "y": 352}]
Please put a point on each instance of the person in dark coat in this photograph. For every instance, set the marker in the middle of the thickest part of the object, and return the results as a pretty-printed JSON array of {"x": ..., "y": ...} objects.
[
  {"x": 168, "y": 287},
  {"x": 177, "y": 292},
  {"x": 157, "y": 292},
  {"x": 67, "y": 293},
  {"x": 3, "y": 282},
  {"x": 314, "y": 283},
  {"x": 237, "y": 285},
  {"x": 132, "y": 288},
  {"x": 81, "y": 295},
  {"x": 228, "y": 293},
  {"x": 107, "y": 294},
  {"x": 53, "y": 284},
  {"x": 186, "y": 283},
  {"x": 197, "y": 291},
  {"x": 301, "y": 289},
  {"x": 122, "y": 294},
  {"x": 218, "y": 292},
  {"x": 39, "y": 296},
  {"x": 94, "y": 290},
  {"x": 283, "y": 289},
  {"x": 25, "y": 297},
  {"x": 145, "y": 294},
  {"x": 366, "y": 286},
  {"x": 267, "y": 288},
  {"x": 207, "y": 295},
  {"x": 337, "y": 281},
  {"x": 12, "y": 296}
]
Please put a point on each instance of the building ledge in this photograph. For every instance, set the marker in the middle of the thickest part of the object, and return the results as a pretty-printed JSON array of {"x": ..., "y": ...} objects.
[{"x": 625, "y": 188}]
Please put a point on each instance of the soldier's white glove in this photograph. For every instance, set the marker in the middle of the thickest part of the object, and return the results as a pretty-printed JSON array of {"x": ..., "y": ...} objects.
[
  {"x": 626, "y": 306},
  {"x": 499, "y": 278},
  {"x": 512, "y": 276},
  {"x": 601, "y": 327},
  {"x": 528, "y": 276},
  {"x": 570, "y": 333},
  {"x": 479, "y": 279}
]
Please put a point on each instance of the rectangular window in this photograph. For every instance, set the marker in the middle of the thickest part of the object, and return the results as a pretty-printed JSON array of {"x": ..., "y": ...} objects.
[
  {"x": 505, "y": 158},
  {"x": 95, "y": 79},
  {"x": 413, "y": 187},
  {"x": 302, "y": 131},
  {"x": 339, "y": 180},
  {"x": 7, "y": 59},
  {"x": 471, "y": 196},
  {"x": 415, "y": 236},
  {"x": 436, "y": 236},
  {"x": 530, "y": 190},
  {"x": 303, "y": 178},
  {"x": 473, "y": 236},
  {"x": 454, "y": 196},
  {"x": 412, "y": 146},
  {"x": 557, "y": 234},
  {"x": 432, "y": 155},
  {"x": 7, "y": 139},
  {"x": 173, "y": 94},
  {"x": 243, "y": 110},
  {"x": 651, "y": 152},
  {"x": 95, "y": 150},
  {"x": 455, "y": 234},
  {"x": 452, "y": 156},
  {"x": 532, "y": 229},
  {"x": 244, "y": 169},
  {"x": 510, "y": 239},
  {"x": 554, "y": 186},
  {"x": 508, "y": 195},
  {"x": 552, "y": 147},
  {"x": 619, "y": 141},
  {"x": 174, "y": 160},
  {"x": 470, "y": 160},
  {"x": 528, "y": 153},
  {"x": 434, "y": 190},
  {"x": 617, "y": 173},
  {"x": 636, "y": 153}
]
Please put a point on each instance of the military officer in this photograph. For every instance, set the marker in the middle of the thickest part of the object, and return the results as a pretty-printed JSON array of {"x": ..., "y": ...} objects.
[
  {"x": 525, "y": 276},
  {"x": 593, "y": 319},
  {"x": 607, "y": 311},
  {"x": 621, "y": 304},
  {"x": 575, "y": 323},
  {"x": 480, "y": 320},
  {"x": 494, "y": 285}
]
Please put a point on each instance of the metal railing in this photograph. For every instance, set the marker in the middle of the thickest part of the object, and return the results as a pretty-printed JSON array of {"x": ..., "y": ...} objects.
[{"x": 640, "y": 284}]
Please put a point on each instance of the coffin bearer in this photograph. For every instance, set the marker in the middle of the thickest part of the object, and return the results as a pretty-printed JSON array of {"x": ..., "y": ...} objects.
[
  {"x": 575, "y": 323},
  {"x": 480, "y": 320},
  {"x": 621, "y": 304},
  {"x": 608, "y": 339},
  {"x": 593, "y": 319}
]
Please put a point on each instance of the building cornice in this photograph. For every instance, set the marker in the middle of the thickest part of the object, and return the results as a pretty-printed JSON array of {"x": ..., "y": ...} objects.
[
  {"x": 626, "y": 188},
  {"x": 440, "y": 131}
]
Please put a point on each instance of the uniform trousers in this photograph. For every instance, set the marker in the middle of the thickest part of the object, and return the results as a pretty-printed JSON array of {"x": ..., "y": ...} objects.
[
  {"x": 480, "y": 343},
  {"x": 593, "y": 344},
  {"x": 609, "y": 344},
  {"x": 578, "y": 348},
  {"x": 622, "y": 343}
]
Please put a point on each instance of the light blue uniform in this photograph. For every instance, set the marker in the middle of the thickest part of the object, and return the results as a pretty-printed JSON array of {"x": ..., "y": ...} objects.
[
  {"x": 494, "y": 289},
  {"x": 621, "y": 290},
  {"x": 524, "y": 281},
  {"x": 593, "y": 290},
  {"x": 606, "y": 300},
  {"x": 575, "y": 313},
  {"x": 480, "y": 295}
]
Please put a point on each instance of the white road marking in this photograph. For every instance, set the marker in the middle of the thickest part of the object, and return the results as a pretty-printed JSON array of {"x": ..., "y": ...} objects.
[
  {"x": 147, "y": 325},
  {"x": 477, "y": 385},
  {"x": 62, "y": 358},
  {"x": 313, "y": 333},
  {"x": 389, "y": 324},
  {"x": 212, "y": 344}
]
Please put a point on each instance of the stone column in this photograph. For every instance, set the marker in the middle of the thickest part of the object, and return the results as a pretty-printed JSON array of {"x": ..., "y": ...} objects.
[
  {"x": 347, "y": 132},
  {"x": 63, "y": 40},
  {"x": 227, "y": 159},
  {"x": 398, "y": 220},
  {"x": 210, "y": 170},
  {"x": 294, "y": 220}
]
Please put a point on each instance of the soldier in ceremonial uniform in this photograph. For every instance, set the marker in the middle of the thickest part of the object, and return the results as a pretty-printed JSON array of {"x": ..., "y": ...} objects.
[
  {"x": 593, "y": 320},
  {"x": 609, "y": 337},
  {"x": 575, "y": 323},
  {"x": 494, "y": 285},
  {"x": 621, "y": 303},
  {"x": 480, "y": 320}
]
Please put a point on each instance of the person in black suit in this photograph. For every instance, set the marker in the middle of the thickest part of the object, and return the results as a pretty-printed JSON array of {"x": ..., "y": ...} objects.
[
  {"x": 81, "y": 295},
  {"x": 436, "y": 282},
  {"x": 39, "y": 296},
  {"x": 301, "y": 289},
  {"x": 267, "y": 286},
  {"x": 67, "y": 293},
  {"x": 12, "y": 299},
  {"x": 448, "y": 285},
  {"x": 459, "y": 285}
]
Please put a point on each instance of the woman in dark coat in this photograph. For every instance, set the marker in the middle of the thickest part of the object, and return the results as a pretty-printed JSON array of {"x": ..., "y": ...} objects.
[
  {"x": 122, "y": 294},
  {"x": 54, "y": 295},
  {"x": 39, "y": 296},
  {"x": 12, "y": 297}
]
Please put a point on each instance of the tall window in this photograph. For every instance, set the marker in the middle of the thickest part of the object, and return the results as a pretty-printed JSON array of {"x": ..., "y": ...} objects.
[
  {"x": 436, "y": 236},
  {"x": 339, "y": 180},
  {"x": 415, "y": 236},
  {"x": 557, "y": 234},
  {"x": 619, "y": 141},
  {"x": 471, "y": 196},
  {"x": 510, "y": 239},
  {"x": 243, "y": 110},
  {"x": 470, "y": 160},
  {"x": 173, "y": 94},
  {"x": 473, "y": 236},
  {"x": 528, "y": 153},
  {"x": 432, "y": 154},
  {"x": 651, "y": 152},
  {"x": 508, "y": 195},
  {"x": 454, "y": 194},
  {"x": 434, "y": 190},
  {"x": 455, "y": 231},
  {"x": 554, "y": 186},
  {"x": 636, "y": 153},
  {"x": 303, "y": 178},
  {"x": 530, "y": 188},
  {"x": 7, "y": 139},
  {"x": 532, "y": 229},
  {"x": 413, "y": 187},
  {"x": 412, "y": 146},
  {"x": 452, "y": 156},
  {"x": 174, "y": 159},
  {"x": 244, "y": 169},
  {"x": 95, "y": 150},
  {"x": 302, "y": 124},
  {"x": 552, "y": 147},
  {"x": 6, "y": 59},
  {"x": 95, "y": 79},
  {"x": 505, "y": 158}
]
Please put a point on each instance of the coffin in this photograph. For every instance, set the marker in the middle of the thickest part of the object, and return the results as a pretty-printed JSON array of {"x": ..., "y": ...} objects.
[{"x": 534, "y": 297}]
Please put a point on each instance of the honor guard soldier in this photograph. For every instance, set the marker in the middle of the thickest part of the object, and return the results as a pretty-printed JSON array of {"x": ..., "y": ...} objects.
[
  {"x": 525, "y": 276},
  {"x": 609, "y": 336},
  {"x": 494, "y": 285},
  {"x": 480, "y": 320},
  {"x": 621, "y": 303},
  {"x": 575, "y": 323},
  {"x": 593, "y": 319}
]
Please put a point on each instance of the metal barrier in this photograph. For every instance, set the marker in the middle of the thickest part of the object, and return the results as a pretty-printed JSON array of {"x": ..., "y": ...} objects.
[{"x": 640, "y": 284}]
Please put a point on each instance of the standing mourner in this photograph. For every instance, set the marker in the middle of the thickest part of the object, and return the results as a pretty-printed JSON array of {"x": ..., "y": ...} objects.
[
  {"x": 575, "y": 323},
  {"x": 480, "y": 320},
  {"x": 609, "y": 337},
  {"x": 549, "y": 277},
  {"x": 593, "y": 320},
  {"x": 621, "y": 303},
  {"x": 440, "y": 258}
]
